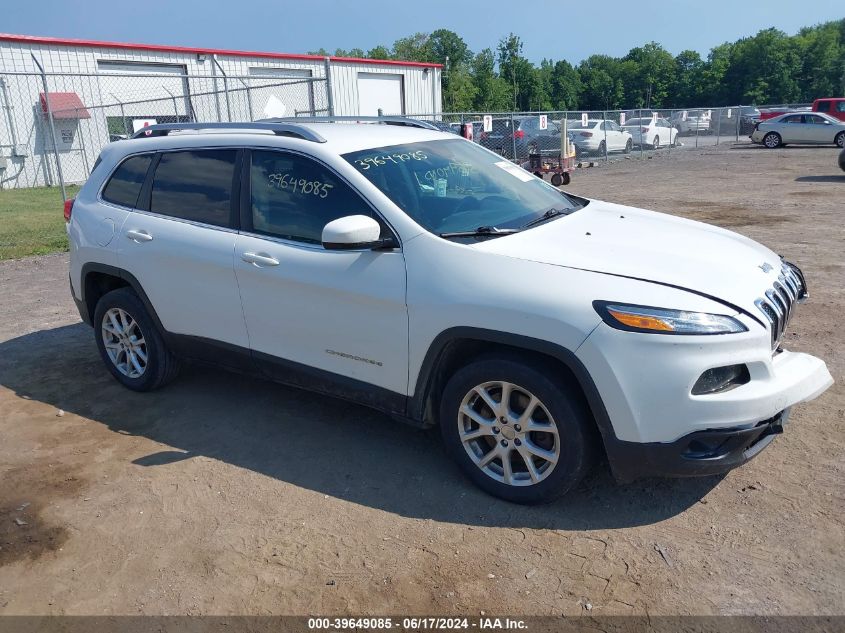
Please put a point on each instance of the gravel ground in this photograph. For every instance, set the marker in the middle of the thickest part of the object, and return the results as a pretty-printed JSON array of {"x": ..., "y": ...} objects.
[{"x": 227, "y": 495}]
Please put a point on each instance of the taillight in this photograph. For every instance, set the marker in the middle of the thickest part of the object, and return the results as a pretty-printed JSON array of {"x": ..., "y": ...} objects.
[
  {"x": 587, "y": 134},
  {"x": 643, "y": 129},
  {"x": 68, "y": 209},
  {"x": 519, "y": 134}
]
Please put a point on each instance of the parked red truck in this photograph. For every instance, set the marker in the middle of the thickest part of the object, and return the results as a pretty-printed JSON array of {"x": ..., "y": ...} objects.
[{"x": 834, "y": 106}]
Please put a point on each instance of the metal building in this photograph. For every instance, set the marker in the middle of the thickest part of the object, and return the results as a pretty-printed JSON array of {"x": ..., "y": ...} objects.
[{"x": 63, "y": 99}]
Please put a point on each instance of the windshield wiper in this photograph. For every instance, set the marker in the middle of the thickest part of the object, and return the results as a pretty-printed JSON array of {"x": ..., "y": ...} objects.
[
  {"x": 548, "y": 215},
  {"x": 481, "y": 231}
]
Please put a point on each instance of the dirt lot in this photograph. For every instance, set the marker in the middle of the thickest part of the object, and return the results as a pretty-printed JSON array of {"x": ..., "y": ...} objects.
[{"x": 224, "y": 495}]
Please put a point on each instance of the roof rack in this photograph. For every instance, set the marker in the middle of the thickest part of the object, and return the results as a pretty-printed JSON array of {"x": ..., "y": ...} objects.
[
  {"x": 279, "y": 127},
  {"x": 385, "y": 120}
]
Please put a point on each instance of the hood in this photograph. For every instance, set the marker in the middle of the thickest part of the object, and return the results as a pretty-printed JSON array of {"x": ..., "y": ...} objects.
[{"x": 630, "y": 242}]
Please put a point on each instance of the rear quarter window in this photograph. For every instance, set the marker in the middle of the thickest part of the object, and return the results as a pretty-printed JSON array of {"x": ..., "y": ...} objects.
[
  {"x": 195, "y": 185},
  {"x": 125, "y": 183}
]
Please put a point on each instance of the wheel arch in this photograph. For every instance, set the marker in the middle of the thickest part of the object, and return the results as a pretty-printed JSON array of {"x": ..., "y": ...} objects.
[
  {"x": 99, "y": 279},
  {"x": 457, "y": 347}
]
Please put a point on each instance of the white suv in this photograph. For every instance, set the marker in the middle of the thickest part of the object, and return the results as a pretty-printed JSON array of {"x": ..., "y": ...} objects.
[{"x": 423, "y": 275}]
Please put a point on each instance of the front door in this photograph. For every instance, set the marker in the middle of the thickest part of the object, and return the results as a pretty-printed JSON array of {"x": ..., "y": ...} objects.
[{"x": 341, "y": 313}]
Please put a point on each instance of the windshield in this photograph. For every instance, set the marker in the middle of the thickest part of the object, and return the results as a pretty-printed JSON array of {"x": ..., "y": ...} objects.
[{"x": 454, "y": 185}]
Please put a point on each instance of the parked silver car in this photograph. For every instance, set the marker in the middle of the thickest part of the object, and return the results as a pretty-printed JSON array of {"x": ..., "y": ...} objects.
[{"x": 808, "y": 128}]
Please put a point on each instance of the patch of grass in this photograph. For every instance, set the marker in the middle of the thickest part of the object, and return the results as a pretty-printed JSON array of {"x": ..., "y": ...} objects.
[{"x": 31, "y": 221}]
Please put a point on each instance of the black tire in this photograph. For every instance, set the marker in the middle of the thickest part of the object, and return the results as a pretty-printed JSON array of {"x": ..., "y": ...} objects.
[
  {"x": 566, "y": 178},
  {"x": 575, "y": 429},
  {"x": 842, "y": 160},
  {"x": 161, "y": 366},
  {"x": 772, "y": 140},
  {"x": 656, "y": 144},
  {"x": 557, "y": 180},
  {"x": 602, "y": 149},
  {"x": 629, "y": 145},
  {"x": 839, "y": 141}
]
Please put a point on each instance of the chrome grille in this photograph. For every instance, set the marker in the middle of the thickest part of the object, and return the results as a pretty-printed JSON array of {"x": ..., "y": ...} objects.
[{"x": 777, "y": 302}]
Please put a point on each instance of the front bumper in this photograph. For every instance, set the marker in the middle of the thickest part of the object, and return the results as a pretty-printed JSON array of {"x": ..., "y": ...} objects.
[{"x": 698, "y": 454}]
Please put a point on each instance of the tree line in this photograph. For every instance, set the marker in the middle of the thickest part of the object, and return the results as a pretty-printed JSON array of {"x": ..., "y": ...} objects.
[{"x": 769, "y": 67}]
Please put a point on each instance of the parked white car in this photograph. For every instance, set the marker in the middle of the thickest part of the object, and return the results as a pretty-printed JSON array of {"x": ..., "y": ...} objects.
[
  {"x": 691, "y": 122},
  {"x": 420, "y": 274},
  {"x": 813, "y": 128},
  {"x": 651, "y": 132},
  {"x": 599, "y": 136}
]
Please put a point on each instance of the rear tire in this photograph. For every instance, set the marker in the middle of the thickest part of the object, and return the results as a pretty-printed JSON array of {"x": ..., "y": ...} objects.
[
  {"x": 772, "y": 140},
  {"x": 130, "y": 344},
  {"x": 629, "y": 145},
  {"x": 541, "y": 422},
  {"x": 557, "y": 180},
  {"x": 656, "y": 143},
  {"x": 839, "y": 141},
  {"x": 566, "y": 178},
  {"x": 602, "y": 149}
]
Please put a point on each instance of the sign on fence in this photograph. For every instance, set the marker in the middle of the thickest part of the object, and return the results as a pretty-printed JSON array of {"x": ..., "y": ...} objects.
[
  {"x": 138, "y": 124},
  {"x": 585, "y": 119},
  {"x": 488, "y": 122},
  {"x": 621, "y": 118},
  {"x": 544, "y": 122}
]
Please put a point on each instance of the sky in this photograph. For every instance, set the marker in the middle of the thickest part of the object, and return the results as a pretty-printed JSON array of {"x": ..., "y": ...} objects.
[{"x": 570, "y": 29}]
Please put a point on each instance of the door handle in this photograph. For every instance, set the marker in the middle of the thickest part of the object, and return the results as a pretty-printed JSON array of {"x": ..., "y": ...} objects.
[
  {"x": 139, "y": 236},
  {"x": 259, "y": 259}
]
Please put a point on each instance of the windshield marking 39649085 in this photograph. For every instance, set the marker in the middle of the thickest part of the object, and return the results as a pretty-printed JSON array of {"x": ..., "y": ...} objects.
[{"x": 457, "y": 189}]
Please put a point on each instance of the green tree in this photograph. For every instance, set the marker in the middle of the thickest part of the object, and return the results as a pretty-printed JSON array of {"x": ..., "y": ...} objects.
[
  {"x": 379, "y": 52},
  {"x": 415, "y": 48},
  {"x": 687, "y": 87},
  {"x": 565, "y": 86},
  {"x": 491, "y": 91},
  {"x": 648, "y": 77},
  {"x": 601, "y": 85}
]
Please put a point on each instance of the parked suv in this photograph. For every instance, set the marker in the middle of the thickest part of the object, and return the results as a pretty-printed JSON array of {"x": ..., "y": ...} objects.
[{"x": 422, "y": 275}]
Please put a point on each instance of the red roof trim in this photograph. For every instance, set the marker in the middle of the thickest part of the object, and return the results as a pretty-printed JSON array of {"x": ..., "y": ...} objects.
[{"x": 34, "y": 39}]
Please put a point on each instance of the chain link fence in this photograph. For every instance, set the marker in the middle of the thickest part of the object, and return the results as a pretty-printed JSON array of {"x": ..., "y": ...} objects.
[
  {"x": 600, "y": 135},
  {"x": 53, "y": 126}
]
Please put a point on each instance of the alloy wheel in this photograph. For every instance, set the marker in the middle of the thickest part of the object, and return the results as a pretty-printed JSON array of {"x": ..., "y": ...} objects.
[
  {"x": 508, "y": 433},
  {"x": 124, "y": 342}
]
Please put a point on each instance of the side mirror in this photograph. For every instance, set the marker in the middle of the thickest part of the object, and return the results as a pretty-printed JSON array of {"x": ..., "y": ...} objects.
[{"x": 354, "y": 232}]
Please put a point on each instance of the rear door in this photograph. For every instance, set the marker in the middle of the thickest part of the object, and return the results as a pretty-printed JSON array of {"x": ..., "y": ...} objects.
[
  {"x": 791, "y": 129},
  {"x": 179, "y": 244}
]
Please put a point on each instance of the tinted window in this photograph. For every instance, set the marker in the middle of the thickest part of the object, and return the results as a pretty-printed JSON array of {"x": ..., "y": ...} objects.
[
  {"x": 795, "y": 118},
  {"x": 812, "y": 118},
  {"x": 840, "y": 106},
  {"x": 823, "y": 106},
  {"x": 294, "y": 197},
  {"x": 125, "y": 184},
  {"x": 195, "y": 185}
]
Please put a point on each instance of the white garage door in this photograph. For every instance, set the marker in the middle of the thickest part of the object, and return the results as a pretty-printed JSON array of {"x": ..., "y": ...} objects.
[{"x": 379, "y": 90}]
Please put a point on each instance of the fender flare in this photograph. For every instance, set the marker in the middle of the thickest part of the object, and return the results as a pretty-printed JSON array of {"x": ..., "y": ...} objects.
[
  {"x": 428, "y": 370},
  {"x": 129, "y": 278}
]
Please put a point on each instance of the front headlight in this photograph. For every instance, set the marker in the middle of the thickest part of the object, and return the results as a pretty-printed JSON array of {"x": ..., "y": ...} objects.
[{"x": 634, "y": 318}]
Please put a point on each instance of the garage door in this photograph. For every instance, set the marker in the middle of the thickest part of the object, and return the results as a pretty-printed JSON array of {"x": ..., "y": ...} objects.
[{"x": 380, "y": 91}]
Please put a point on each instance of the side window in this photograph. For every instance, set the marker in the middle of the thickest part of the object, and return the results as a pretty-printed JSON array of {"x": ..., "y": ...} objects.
[
  {"x": 294, "y": 197},
  {"x": 126, "y": 181},
  {"x": 795, "y": 118},
  {"x": 812, "y": 118},
  {"x": 840, "y": 106},
  {"x": 195, "y": 185},
  {"x": 823, "y": 106}
]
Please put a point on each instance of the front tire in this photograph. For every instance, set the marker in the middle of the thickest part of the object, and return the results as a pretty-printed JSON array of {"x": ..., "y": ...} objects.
[
  {"x": 772, "y": 140},
  {"x": 629, "y": 145},
  {"x": 839, "y": 141},
  {"x": 515, "y": 432},
  {"x": 656, "y": 144},
  {"x": 130, "y": 344}
]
